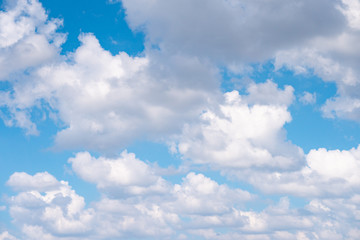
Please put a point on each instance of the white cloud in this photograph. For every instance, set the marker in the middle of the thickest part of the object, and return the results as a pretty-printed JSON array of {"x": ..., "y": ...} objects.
[
  {"x": 343, "y": 106},
  {"x": 196, "y": 207},
  {"x": 124, "y": 175},
  {"x": 268, "y": 94},
  {"x": 201, "y": 195},
  {"x": 333, "y": 58},
  {"x": 351, "y": 10},
  {"x": 308, "y": 98},
  {"x": 105, "y": 102},
  {"x": 336, "y": 164},
  {"x": 27, "y": 40},
  {"x": 279, "y": 221},
  {"x": 49, "y": 205},
  {"x": 25, "y": 36},
  {"x": 244, "y": 133},
  {"x": 39, "y": 182},
  {"x": 134, "y": 219},
  {"x": 324, "y": 168},
  {"x": 7, "y": 236},
  {"x": 237, "y": 33},
  {"x": 59, "y": 213},
  {"x": 232, "y": 31}
]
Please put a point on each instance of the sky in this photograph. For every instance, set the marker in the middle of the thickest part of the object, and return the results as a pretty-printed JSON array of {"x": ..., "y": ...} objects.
[{"x": 169, "y": 119}]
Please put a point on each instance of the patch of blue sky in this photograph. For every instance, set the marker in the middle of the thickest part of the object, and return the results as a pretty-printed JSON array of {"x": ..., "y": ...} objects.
[
  {"x": 309, "y": 129},
  {"x": 5, "y": 86},
  {"x": 103, "y": 19},
  {"x": 5, "y": 223},
  {"x": 33, "y": 154}
]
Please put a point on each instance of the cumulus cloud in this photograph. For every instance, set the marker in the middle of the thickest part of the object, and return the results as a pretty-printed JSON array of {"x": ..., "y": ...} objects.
[
  {"x": 7, "y": 236},
  {"x": 196, "y": 207},
  {"x": 206, "y": 210},
  {"x": 101, "y": 101},
  {"x": 38, "y": 182},
  {"x": 47, "y": 207},
  {"x": 235, "y": 33},
  {"x": 333, "y": 58},
  {"x": 332, "y": 63},
  {"x": 246, "y": 132},
  {"x": 240, "y": 31},
  {"x": 201, "y": 195},
  {"x": 27, "y": 37},
  {"x": 125, "y": 175},
  {"x": 59, "y": 213},
  {"x": 323, "y": 168},
  {"x": 351, "y": 9},
  {"x": 105, "y": 101}
]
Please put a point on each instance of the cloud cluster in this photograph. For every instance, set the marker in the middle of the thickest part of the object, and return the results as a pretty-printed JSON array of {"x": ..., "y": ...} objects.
[
  {"x": 152, "y": 96},
  {"x": 124, "y": 176},
  {"x": 333, "y": 58},
  {"x": 104, "y": 102},
  {"x": 247, "y": 132},
  {"x": 46, "y": 208},
  {"x": 323, "y": 168},
  {"x": 133, "y": 203},
  {"x": 198, "y": 207},
  {"x": 100, "y": 101},
  {"x": 7, "y": 236},
  {"x": 28, "y": 39},
  {"x": 295, "y": 34}
]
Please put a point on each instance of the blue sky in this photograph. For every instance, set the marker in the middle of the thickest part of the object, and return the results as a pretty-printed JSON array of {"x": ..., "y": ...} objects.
[{"x": 221, "y": 119}]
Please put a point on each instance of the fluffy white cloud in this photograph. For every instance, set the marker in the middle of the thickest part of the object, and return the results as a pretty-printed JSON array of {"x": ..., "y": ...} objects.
[
  {"x": 246, "y": 132},
  {"x": 336, "y": 164},
  {"x": 39, "y": 182},
  {"x": 101, "y": 101},
  {"x": 7, "y": 236},
  {"x": 279, "y": 222},
  {"x": 201, "y": 195},
  {"x": 351, "y": 10},
  {"x": 27, "y": 37},
  {"x": 332, "y": 60},
  {"x": 125, "y": 175},
  {"x": 197, "y": 207},
  {"x": 106, "y": 101},
  {"x": 49, "y": 206},
  {"x": 327, "y": 174},
  {"x": 27, "y": 40},
  {"x": 57, "y": 212},
  {"x": 134, "y": 219}
]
